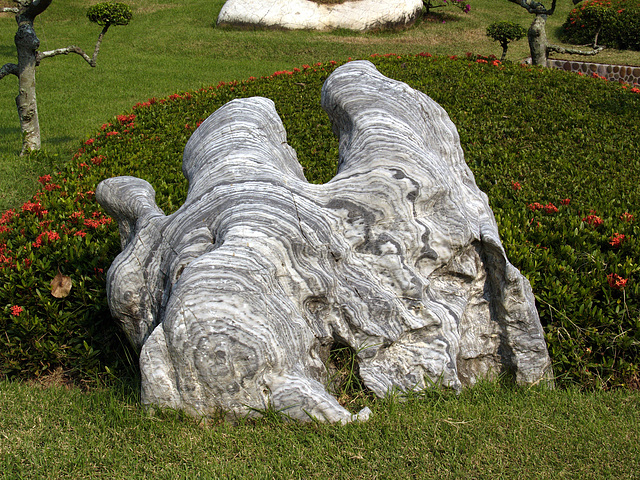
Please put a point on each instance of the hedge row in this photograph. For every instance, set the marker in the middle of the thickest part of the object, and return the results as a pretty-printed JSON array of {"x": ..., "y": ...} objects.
[{"x": 558, "y": 155}]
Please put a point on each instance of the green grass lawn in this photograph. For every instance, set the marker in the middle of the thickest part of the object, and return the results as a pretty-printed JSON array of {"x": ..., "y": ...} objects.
[{"x": 485, "y": 433}]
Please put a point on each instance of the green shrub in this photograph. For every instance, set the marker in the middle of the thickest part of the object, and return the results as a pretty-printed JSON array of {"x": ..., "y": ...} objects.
[
  {"x": 612, "y": 23},
  {"x": 110, "y": 13},
  {"x": 504, "y": 33},
  {"x": 547, "y": 137}
]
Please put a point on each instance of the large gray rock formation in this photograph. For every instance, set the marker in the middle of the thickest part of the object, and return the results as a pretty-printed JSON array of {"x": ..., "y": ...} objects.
[
  {"x": 305, "y": 14},
  {"x": 236, "y": 298}
]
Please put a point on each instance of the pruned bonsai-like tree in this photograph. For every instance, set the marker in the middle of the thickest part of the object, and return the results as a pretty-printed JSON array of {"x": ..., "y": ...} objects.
[
  {"x": 504, "y": 33},
  {"x": 537, "y": 34},
  {"x": 27, "y": 44}
]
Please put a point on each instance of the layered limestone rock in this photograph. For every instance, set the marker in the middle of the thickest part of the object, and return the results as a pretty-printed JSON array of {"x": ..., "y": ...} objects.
[
  {"x": 306, "y": 14},
  {"x": 236, "y": 299}
]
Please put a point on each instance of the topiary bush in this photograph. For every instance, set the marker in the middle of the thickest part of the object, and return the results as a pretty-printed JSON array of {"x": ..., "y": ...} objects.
[
  {"x": 557, "y": 154},
  {"x": 612, "y": 23},
  {"x": 110, "y": 13},
  {"x": 504, "y": 33}
]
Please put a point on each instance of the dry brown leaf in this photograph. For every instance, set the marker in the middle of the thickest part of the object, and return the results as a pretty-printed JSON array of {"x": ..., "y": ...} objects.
[{"x": 61, "y": 286}]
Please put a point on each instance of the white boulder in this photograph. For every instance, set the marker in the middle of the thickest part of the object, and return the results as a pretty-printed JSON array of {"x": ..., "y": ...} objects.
[{"x": 306, "y": 14}]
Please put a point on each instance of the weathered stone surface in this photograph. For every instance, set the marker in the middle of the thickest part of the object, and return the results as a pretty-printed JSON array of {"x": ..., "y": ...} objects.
[
  {"x": 236, "y": 298},
  {"x": 305, "y": 14}
]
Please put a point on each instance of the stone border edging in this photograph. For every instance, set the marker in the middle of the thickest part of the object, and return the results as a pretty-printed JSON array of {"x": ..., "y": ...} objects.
[{"x": 620, "y": 73}]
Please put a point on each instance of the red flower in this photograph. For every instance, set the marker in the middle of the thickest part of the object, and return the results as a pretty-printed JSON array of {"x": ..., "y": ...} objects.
[
  {"x": 130, "y": 118},
  {"x": 516, "y": 186},
  {"x": 535, "y": 206},
  {"x": 50, "y": 235},
  {"x": 7, "y": 216},
  {"x": 616, "y": 240},
  {"x": 44, "y": 179},
  {"x": 89, "y": 142},
  {"x": 616, "y": 281},
  {"x": 111, "y": 134},
  {"x": 550, "y": 208},
  {"x": 35, "y": 208},
  {"x": 625, "y": 217},
  {"x": 566, "y": 201},
  {"x": 593, "y": 220},
  {"x": 16, "y": 310}
]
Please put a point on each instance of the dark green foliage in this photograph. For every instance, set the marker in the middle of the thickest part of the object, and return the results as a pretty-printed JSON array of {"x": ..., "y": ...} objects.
[
  {"x": 533, "y": 138},
  {"x": 504, "y": 33},
  {"x": 110, "y": 13},
  {"x": 612, "y": 23}
]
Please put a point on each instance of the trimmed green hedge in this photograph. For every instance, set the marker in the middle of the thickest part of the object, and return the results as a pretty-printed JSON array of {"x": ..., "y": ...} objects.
[
  {"x": 558, "y": 155},
  {"x": 617, "y": 23}
]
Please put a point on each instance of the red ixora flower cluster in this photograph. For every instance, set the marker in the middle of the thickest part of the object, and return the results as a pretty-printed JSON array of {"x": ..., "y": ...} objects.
[
  {"x": 616, "y": 240},
  {"x": 98, "y": 160},
  {"x": 16, "y": 310},
  {"x": 48, "y": 185},
  {"x": 49, "y": 235},
  {"x": 616, "y": 281},
  {"x": 548, "y": 208},
  {"x": 127, "y": 120},
  {"x": 516, "y": 186},
  {"x": 593, "y": 219},
  {"x": 35, "y": 208},
  {"x": 5, "y": 260},
  {"x": 6, "y": 218},
  {"x": 625, "y": 217}
]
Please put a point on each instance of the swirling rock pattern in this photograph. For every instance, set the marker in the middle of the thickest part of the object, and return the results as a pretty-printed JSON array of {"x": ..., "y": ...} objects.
[
  {"x": 359, "y": 15},
  {"x": 236, "y": 299}
]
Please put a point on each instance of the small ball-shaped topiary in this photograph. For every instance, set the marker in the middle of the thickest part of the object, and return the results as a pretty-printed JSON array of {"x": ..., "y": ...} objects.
[
  {"x": 504, "y": 33},
  {"x": 110, "y": 13}
]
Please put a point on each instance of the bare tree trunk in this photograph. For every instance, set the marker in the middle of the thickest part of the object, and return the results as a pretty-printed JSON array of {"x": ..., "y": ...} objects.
[
  {"x": 27, "y": 44},
  {"x": 537, "y": 37}
]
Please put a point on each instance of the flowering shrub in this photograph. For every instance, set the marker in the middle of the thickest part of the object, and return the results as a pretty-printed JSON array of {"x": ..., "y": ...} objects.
[
  {"x": 613, "y": 23},
  {"x": 577, "y": 243}
]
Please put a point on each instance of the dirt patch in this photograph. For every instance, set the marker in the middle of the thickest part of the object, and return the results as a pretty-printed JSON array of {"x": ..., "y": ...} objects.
[
  {"x": 633, "y": 383},
  {"x": 57, "y": 378}
]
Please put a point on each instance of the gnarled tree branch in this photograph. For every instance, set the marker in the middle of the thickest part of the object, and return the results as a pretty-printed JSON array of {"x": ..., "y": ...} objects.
[
  {"x": 9, "y": 10},
  {"x": 538, "y": 8},
  {"x": 573, "y": 51},
  {"x": 8, "y": 69},
  {"x": 36, "y": 8},
  {"x": 73, "y": 49}
]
